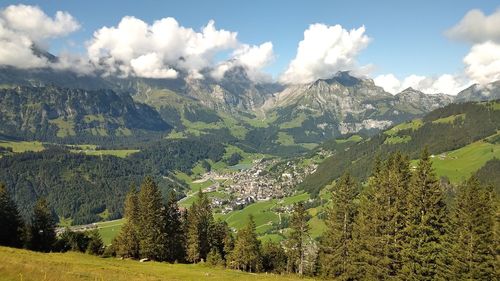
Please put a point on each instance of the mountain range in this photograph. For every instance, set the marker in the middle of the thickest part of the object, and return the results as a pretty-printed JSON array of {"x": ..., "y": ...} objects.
[{"x": 63, "y": 104}]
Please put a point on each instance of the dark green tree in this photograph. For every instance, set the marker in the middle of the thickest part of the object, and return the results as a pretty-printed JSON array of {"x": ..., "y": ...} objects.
[
  {"x": 378, "y": 229},
  {"x": 42, "y": 228},
  {"x": 473, "y": 233},
  {"x": 246, "y": 253},
  {"x": 174, "y": 247},
  {"x": 11, "y": 224},
  {"x": 151, "y": 231},
  {"x": 199, "y": 222},
  {"x": 128, "y": 239},
  {"x": 95, "y": 245},
  {"x": 299, "y": 235},
  {"x": 273, "y": 257},
  {"x": 423, "y": 254},
  {"x": 335, "y": 258}
]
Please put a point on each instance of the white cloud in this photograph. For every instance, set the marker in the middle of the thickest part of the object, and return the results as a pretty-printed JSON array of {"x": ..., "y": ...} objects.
[
  {"x": 22, "y": 27},
  {"x": 324, "y": 51},
  {"x": 252, "y": 58},
  {"x": 483, "y": 63},
  {"x": 389, "y": 82},
  {"x": 155, "y": 49},
  {"x": 151, "y": 66},
  {"x": 445, "y": 83},
  {"x": 476, "y": 27}
]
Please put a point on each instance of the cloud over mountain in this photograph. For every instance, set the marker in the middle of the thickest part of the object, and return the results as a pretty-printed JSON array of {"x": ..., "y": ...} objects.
[
  {"x": 323, "y": 51},
  {"x": 23, "y": 27}
]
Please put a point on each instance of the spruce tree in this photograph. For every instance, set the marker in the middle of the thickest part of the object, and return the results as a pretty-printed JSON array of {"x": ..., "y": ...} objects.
[
  {"x": 473, "y": 232},
  {"x": 128, "y": 239},
  {"x": 42, "y": 227},
  {"x": 95, "y": 245},
  {"x": 151, "y": 231},
  {"x": 10, "y": 220},
  {"x": 174, "y": 249},
  {"x": 378, "y": 229},
  {"x": 335, "y": 258},
  {"x": 273, "y": 257},
  {"x": 299, "y": 234},
  {"x": 423, "y": 252},
  {"x": 200, "y": 220},
  {"x": 246, "y": 254}
]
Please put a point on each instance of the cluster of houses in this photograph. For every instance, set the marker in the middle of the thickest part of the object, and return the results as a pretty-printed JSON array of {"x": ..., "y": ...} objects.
[{"x": 257, "y": 183}]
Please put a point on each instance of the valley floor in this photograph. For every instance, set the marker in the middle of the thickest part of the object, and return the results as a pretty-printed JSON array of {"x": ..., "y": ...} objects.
[{"x": 17, "y": 264}]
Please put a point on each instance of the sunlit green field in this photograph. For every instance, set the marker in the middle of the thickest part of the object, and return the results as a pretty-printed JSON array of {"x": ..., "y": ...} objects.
[
  {"x": 17, "y": 265},
  {"x": 459, "y": 164},
  {"x": 109, "y": 229},
  {"x": 23, "y": 146}
]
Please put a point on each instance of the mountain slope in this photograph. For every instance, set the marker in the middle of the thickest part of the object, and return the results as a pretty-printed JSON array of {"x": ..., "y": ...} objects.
[
  {"x": 477, "y": 92},
  {"x": 345, "y": 104},
  {"x": 51, "y": 113},
  {"x": 442, "y": 131}
]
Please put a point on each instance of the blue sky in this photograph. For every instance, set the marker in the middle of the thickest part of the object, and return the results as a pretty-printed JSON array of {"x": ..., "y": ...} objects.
[{"x": 407, "y": 37}]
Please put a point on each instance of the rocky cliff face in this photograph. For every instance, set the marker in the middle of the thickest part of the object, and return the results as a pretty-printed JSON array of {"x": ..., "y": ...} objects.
[
  {"x": 477, "y": 92},
  {"x": 347, "y": 104}
]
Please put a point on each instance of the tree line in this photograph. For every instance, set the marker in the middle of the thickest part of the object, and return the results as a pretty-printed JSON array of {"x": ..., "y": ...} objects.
[
  {"x": 39, "y": 233},
  {"x": 399, "y": 226}
]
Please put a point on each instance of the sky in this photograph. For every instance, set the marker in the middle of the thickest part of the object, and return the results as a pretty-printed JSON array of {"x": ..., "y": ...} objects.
[{"x": 433, "y": 46}]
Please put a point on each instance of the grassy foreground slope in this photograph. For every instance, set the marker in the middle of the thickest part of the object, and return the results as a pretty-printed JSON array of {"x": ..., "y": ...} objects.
[{"x": 16, "y": 264}]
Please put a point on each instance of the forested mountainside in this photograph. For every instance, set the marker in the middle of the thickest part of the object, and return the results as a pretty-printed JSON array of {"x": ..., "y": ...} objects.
[
  {"x": 444, "y": 129},
  {"x": 52, "y": 113},
  {"x": 82, "y": 187}
]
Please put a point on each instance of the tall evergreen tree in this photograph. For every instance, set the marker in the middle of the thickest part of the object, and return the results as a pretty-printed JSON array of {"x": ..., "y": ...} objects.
[
  {"x": 42, "y": 228},
  {"x": 174, "y": 249},
  {"x": 335, "y": 258},
  {"x": 378, "y": 229},
  {"x": 299, "y": 234},
  {"x": 273, "y": 257},
  {"x": 11, "y": 224},
  {"x": 423, "y": 252},
  {"x": 200, "y": 219},
  {"x": 473, "y": 233},
  {"x": 151, "y": 231},
  {"x": 128, "y": 239},
  {"x": 219, "y": 235},
  {"x": 246, "y": 254}
]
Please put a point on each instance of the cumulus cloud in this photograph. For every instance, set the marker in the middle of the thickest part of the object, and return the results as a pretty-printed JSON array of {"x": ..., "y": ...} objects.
[
  {"x": 252, "y": 58},
  {"x": 23, "y": 27},
  {"x": 483, "y": 62},
  {"x": 476, "y": 27},
  {"x": 446, "y": 83},
  {"x": 135, "y": 47},
  {"x": 324, "y": 51}
]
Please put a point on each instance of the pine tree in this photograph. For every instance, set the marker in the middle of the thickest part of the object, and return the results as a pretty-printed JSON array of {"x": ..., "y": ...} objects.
[
  {"x": 174, "y": 249},
  {"x": 273, "y": 257},
  {"x": 200, "y": 220},
  {"x": 299, "y": 234},
  {"x": 423, "y": 252},
  {"x": 95, "y": 245},
  {"x": 473, "y": 232},
  {"x": 219, "y": 235},
  {"x": 151, "y": 231},
  {"x": 378, "y": 229},
  {"x": 10, "y": 220},
  {"x": 336, "y": 244},
  {"x": 128, "y": 239},
  {"x": 42, "y": 228},
  {"x": 246, "y": 253}
]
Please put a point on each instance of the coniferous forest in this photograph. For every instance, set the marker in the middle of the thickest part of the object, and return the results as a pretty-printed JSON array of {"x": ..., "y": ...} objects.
[{"x": 402, "y": 224}]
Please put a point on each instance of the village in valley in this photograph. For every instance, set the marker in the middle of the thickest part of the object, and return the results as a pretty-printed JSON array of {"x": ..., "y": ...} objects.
[{"x": 262, "y": 180}]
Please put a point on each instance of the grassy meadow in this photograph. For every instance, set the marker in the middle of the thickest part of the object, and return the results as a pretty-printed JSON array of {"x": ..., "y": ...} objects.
[{"x": 23, "y": 265}]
